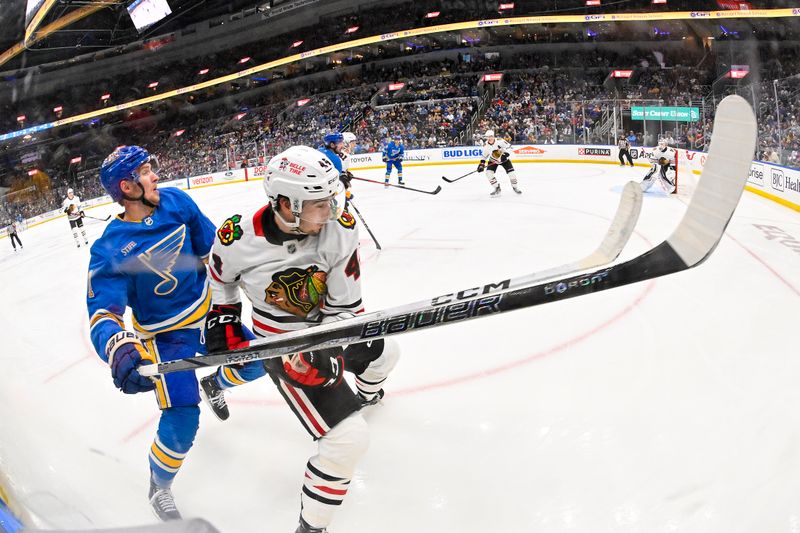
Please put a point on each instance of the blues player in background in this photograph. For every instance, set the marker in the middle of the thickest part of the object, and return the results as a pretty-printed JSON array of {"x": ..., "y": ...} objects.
[
  {"x": 393, "y": 155},
  {"x": 334, "y": 148},
  {"x": 151, "y": 259}
]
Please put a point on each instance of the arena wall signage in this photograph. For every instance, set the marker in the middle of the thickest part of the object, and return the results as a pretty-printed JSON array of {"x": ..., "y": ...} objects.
[
  {"x": 777, "y": 183},
  {"x": 405, "y": 34},
  {"x": 673, "y": 114}
]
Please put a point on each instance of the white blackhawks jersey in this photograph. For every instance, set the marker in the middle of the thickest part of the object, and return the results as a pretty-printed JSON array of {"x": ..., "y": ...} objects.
[
  {"x": 75, "y": 212},
  {"x": 668, "y": 152},
  {"x": 345, "y": 157},
  {"x": 493, "y": 152},
  {"x": 292, "y": 282}
]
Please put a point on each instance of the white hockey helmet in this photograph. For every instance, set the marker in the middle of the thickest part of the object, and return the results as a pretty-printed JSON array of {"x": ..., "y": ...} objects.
[
  {"x": 348, "y": 136},
  {"x": 301, "y": 173},
  {"x": 70, "y": 191},
  {"x": 489, "y": 133},
  {"x": 662, "y": 143}
]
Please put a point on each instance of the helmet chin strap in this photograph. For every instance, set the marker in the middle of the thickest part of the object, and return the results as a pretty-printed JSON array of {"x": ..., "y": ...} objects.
[
  {"x": 141, "y": 197},
  {"x": 294, "y": 227}
]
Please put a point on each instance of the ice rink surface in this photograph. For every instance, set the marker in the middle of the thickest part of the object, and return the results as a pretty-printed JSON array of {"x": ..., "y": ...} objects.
[{"x": 664, "y": 406}]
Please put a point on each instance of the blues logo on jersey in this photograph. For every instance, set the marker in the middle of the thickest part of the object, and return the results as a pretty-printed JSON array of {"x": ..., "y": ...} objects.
[{"x": 155, "y": 269}]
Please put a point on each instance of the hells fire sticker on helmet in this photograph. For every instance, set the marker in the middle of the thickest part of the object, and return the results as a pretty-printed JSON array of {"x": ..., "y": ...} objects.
[
  {"x": 297, "y": 291},
  {"x": 230, "y": 230},
  {"x": 347, "y": 220}
]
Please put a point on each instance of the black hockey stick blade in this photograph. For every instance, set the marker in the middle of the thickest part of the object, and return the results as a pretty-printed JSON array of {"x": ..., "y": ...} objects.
[
  {"x": 404, "y": 187},
  {"x": 364, "y": 223},
  {"x": 448, "y": 180},
  {"x": 615, "y": 239},
  {"x": 717, "y": 194}
]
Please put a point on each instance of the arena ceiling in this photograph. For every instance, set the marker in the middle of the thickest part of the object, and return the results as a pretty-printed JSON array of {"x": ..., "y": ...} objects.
[{"x": 99, "y": 25}]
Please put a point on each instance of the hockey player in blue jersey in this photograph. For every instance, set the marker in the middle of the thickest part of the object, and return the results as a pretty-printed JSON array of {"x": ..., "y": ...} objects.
[
  {"x": 333, "y": 147},
  {"x": 151, "y": 259},
  {"x": 393, "y": 156}
]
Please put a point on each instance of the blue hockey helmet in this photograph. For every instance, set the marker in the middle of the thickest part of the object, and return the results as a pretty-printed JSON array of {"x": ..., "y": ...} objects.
[
  {"x": 122, "y": 165},
  {"x": 333, "y": 137}
]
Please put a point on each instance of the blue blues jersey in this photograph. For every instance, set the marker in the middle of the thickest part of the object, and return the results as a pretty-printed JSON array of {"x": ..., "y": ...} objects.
[
  {"x": 333, "y": 156},
  {"x": 394, "y": 150},
  {"x": 154, "y": 266}
]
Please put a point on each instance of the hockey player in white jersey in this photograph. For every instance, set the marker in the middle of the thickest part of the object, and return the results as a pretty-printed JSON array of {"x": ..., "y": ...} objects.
[
  {"x": 664, "y": 168},
  {"x": 72, "y": 207},
  {"x": 348, "y": 149},
  {"x": 296, "y": 260},
  {"x": 496, "y": 153}
]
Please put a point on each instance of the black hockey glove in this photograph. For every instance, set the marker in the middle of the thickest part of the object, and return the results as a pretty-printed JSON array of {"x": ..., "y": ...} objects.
[
  {"x": 224, "y": 328},
  {"x": 318, "y": 368},
  {"x": 481, "y": 166},
  {"x": 504, "y": 157},
  {"x": 346, "y": 177}
]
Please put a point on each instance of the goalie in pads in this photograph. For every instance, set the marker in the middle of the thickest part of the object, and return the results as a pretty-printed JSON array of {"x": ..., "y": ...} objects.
[
  {"x": 664, "y": 168},
  {"x": 495, "y": 153}
]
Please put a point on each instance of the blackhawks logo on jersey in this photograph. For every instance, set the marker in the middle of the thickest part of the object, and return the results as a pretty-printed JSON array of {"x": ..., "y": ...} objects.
[
  {"x": 230, "y": 230},
  {"x": 297, "y": 291},
  {"x": 347, "y": 220}
]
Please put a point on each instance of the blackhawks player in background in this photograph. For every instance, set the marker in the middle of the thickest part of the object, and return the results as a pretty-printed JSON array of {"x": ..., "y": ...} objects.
[
  {"x": 664, "y": 168},
  {"x": 72, "y": 207},
  {"x": 495, "y": 153},
  {"x": 151, "y": 259},
  {"x": 296, "y": 260}
]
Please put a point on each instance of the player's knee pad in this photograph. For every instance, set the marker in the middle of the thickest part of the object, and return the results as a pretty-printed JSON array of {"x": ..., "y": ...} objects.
[
  {"x": 178, "y": 427},
  {"x": 379, "y": 367},
  {"x": 342, "y": 447},
  {"x": 361, "y": 355}
]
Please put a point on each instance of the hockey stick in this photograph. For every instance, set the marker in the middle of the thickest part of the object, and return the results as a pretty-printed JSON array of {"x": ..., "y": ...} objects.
[
  {"x": 460, "y": 177},
  {"x": 435, "y": 191},
  {"x": 100, "y": 219},
  {"x": 693, "y": 241},
  {"x": 361, "y": 218},
  {"x": 618, "y": 234}
]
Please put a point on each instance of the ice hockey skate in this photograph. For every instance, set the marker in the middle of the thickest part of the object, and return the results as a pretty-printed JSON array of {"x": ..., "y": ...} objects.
[
  {"x": 163, "y": 503},
  {"x": 214, "y": 396},
  {"x": 372, "y": 401},
  {"x": 495, "y": 193},
  {"x": 304, "y": 527}
]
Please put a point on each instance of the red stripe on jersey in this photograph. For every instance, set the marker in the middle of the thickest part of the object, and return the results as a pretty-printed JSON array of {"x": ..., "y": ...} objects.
[
  {"x": 214, "y": 274},
  {"x": 268, "y": 328},
  {"x": 258, "y": 227},
  {"x": 306, "y": 412},
  {"x": 323, "y": 488}
]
